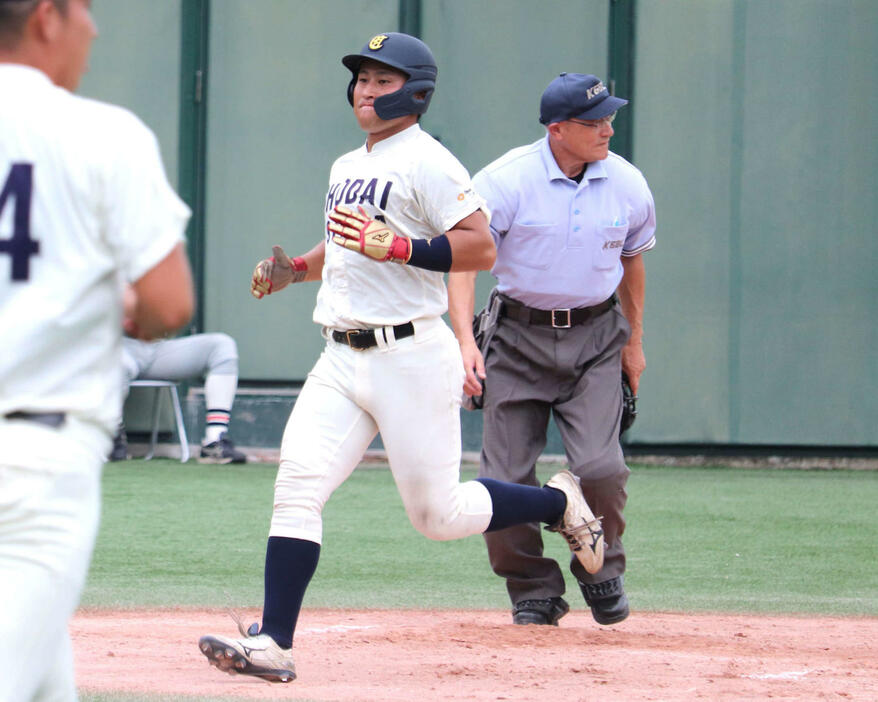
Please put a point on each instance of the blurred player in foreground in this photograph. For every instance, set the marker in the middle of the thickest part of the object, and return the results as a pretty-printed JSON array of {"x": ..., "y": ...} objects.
[
  {"x": 400, "y": 212},
  {"x": 84, "y": 207}
]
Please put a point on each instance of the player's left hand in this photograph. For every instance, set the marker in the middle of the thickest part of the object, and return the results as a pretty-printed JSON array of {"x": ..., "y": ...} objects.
[
  {"x": 358, "y": 232},
  {"x": 275, "y": 273}
]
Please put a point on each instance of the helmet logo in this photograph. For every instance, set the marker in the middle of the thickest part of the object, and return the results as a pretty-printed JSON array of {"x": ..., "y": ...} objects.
[{"x": 377, "y": 42}]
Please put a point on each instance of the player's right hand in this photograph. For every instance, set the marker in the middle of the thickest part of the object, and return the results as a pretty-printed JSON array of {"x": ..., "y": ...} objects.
[
  {"x": 275, "y": 273},
  {"x": 356, "y": 231}
]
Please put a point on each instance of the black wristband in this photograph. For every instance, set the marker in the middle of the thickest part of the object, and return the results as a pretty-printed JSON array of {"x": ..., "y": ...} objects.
[{"x": 431, "y": 254}]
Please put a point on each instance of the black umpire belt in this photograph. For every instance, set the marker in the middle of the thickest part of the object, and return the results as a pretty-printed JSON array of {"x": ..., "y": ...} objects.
[
  {"x": 362, "y": 339},
  {"x": 49, "y": 419},
  {"x": 559, "y": 319}
]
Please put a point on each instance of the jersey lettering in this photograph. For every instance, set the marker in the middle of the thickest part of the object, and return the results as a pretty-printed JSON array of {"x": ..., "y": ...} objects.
[
  {"x": 354, "y": 190},
  {"x": 19, "y": 185},
  {"x": 330, "y": 197},
  {"x": 357, "y": 192},
  {"x": 385, "y": 195},
  {"x": 368, "y": 194},
  {"x": 342, "y": 192}
]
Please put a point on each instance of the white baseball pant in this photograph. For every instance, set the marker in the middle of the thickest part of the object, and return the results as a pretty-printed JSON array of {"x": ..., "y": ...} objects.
[
  {"x": 410, "y": 391},
  {"x": 49, "y": 513}
]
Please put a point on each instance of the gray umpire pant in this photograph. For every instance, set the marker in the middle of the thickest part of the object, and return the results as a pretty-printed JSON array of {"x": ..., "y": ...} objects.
[{"x": 575, "y": 374}]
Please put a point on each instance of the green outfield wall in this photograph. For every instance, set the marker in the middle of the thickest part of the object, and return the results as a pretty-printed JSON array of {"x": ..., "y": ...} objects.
[{"x": 752, "y": 120}]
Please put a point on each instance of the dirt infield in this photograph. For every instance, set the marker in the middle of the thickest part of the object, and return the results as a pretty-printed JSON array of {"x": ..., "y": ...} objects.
[{"x": 422, "y": 656}]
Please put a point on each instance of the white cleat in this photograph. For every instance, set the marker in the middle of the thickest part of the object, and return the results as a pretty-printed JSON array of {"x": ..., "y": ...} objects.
[
  {"x": 256, "y": 655},
  {"x": 578, "y": 525}
]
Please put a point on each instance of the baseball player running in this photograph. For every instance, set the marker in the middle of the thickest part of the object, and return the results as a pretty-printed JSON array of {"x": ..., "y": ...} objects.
[
  {"x": 400, "y": 211},
  {"x": 84, "y": 202}
]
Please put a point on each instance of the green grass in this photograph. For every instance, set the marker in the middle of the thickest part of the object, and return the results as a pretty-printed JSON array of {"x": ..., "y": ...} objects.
[{"x": 698, "y": 539}]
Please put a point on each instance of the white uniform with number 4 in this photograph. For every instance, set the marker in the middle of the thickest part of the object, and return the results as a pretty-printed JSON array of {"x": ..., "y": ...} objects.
[
  {"x": 408, "y": 389},
  {"x": 84, "y": 201}
]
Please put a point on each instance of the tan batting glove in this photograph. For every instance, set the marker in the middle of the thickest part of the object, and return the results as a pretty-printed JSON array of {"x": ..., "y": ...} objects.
[
  {"x": 359, "y": 232},
  {"x": 275, "y": 273}
]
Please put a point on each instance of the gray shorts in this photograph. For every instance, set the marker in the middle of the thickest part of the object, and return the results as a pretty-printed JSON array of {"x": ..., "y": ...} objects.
[{"x": 180, "y": 359}]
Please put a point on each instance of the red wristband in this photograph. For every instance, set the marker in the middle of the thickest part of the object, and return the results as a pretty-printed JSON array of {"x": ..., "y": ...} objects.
[{"x": 400, "y": 250}]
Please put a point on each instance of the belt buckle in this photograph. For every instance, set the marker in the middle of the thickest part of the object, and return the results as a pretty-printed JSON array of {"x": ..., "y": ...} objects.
[
  {"x": 561, "y": 325},
  {"x": 349, "y": 335}
]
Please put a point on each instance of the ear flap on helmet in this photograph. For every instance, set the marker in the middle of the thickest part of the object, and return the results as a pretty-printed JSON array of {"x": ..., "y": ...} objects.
[{"x": 406, "y": 101}]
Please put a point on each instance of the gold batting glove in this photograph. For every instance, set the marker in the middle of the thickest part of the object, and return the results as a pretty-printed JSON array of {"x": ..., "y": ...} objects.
[
  {"x": 357, "y": 231},
  {"x": 275, "y": 273}
]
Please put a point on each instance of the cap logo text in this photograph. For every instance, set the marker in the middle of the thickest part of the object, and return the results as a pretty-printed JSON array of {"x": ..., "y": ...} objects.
[
  {"x": 377, "y": 42},
  {"x": 591, "y": 92}
]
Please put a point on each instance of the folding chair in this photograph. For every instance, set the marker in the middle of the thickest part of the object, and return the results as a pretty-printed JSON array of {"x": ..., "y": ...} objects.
[{"x": 157, "y": 385}]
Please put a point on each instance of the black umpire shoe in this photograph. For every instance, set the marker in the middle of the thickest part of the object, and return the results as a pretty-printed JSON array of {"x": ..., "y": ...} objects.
[
  {"x": 608, "y": 602},
  {"x": 120, "y": 446},
  {"x": 547, "y": 611}
]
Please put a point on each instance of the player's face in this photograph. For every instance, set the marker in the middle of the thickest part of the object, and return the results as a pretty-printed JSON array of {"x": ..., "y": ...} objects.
[
  {"x": 374, "y": 80},
  {"x": 76, "y": 31},
  {"x": 587, "y": 140}
]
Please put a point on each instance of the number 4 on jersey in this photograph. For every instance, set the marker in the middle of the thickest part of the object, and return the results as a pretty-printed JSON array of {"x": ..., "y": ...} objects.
[{"x": 19, "y": 186}]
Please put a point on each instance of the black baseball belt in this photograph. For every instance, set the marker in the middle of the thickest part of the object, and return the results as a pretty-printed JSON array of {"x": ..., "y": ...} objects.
[
  {"x": 49, "y": 419},
  {"x": 362, "y": 339},
  {"x": 558, "y": 318}
]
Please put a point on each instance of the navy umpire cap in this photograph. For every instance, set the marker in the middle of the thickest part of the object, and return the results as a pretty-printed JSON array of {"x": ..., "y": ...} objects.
[
  {"x": 404, "y": 53},
  {"x": 577, "y": 96}
]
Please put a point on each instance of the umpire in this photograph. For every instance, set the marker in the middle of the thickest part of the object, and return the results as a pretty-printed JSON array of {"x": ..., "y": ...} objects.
[{"x": 571, "y": 220}]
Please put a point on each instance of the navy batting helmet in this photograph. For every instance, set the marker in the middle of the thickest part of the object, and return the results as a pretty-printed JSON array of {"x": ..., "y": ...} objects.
[{"x": 404, "y": 53}]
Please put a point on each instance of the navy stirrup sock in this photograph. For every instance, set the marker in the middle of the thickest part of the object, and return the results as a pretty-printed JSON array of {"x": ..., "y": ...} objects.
[
  {"x": 517, "y": 504},
  {"x": 289, "y": 567}
]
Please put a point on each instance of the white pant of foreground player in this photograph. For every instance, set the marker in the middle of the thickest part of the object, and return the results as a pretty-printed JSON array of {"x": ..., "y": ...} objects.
[
  {"x": 49, "y": 513},
  {"x": 410, "y": 390}
]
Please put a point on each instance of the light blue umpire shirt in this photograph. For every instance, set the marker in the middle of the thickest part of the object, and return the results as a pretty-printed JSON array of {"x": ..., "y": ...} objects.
[{"x": 559, "y": 242}]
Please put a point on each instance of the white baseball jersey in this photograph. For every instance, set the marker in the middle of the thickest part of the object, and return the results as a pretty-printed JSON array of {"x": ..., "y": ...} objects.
[
  {"x": 420, "y": 190},
  {"x": 83, "y": 200}
]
